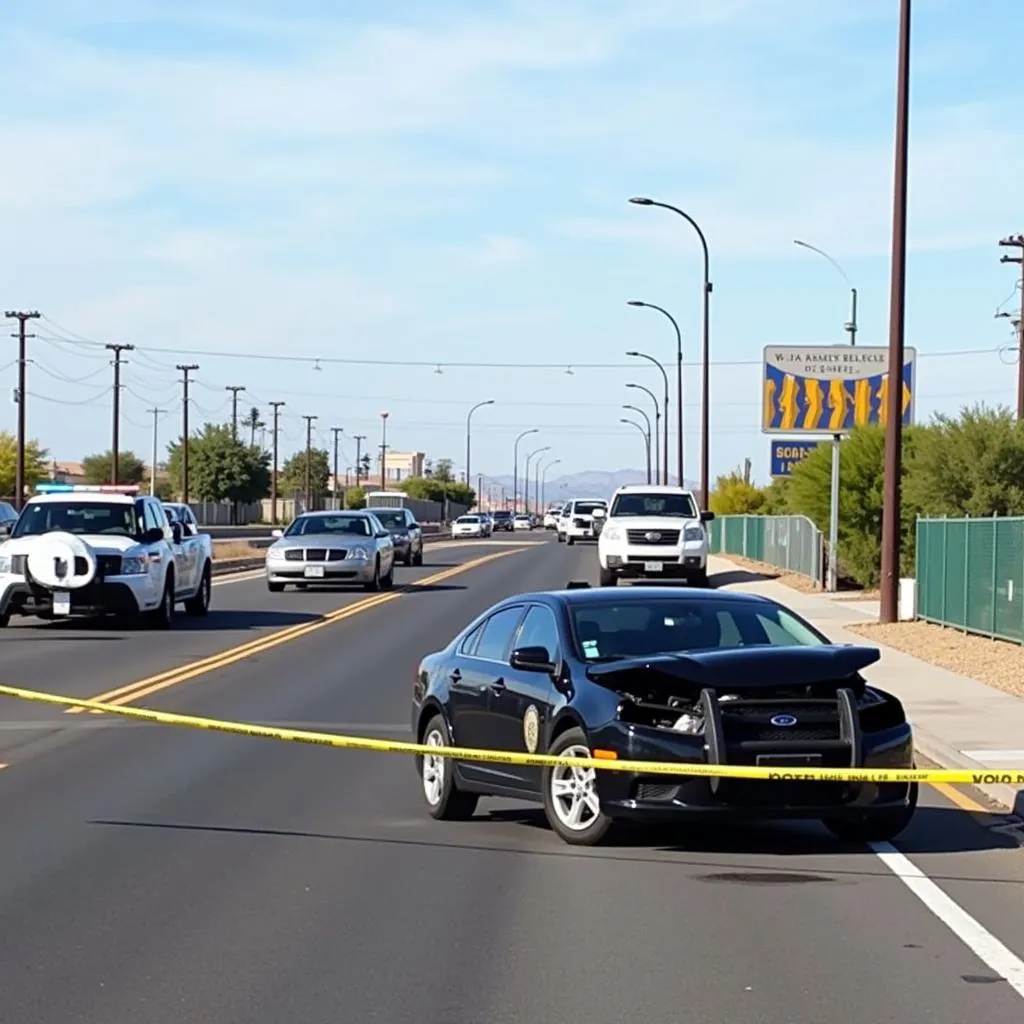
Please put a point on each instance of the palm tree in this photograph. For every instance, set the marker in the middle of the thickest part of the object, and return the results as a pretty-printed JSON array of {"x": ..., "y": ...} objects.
[{"x": 254, "y": 423}]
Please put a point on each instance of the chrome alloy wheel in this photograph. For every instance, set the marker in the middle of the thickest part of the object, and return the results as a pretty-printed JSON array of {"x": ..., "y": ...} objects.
[{"x": 574, "y": 792}]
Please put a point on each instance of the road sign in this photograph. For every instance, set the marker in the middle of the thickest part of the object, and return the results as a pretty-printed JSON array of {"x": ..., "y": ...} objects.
[
  {"x": 829, "y": 389},
  {"x": 786, "y": 454}
]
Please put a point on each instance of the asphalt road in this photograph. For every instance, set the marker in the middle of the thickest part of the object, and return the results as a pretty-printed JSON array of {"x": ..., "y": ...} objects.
[{"x": 155, "y": 875}]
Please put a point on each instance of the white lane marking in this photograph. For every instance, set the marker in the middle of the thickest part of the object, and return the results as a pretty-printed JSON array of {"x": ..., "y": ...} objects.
[
  {"x": 985, "y": 946},
  {"x": 987, "y": 756}
]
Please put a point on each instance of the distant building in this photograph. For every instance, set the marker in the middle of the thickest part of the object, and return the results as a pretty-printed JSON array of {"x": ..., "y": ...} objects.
[
  {"x": 67, "y": 472},
  {"x": 399, "y": 466}
]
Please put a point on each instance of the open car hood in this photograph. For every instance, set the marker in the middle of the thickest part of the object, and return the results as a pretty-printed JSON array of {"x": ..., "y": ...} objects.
[{"x": 743, "y": 670}]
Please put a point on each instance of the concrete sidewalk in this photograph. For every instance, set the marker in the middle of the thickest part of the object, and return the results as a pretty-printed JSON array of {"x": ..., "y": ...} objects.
[{"x": 958, "y": 722}]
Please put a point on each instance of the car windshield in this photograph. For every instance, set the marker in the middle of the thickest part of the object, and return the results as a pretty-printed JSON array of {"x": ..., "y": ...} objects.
[
  {"x": 677, "y": 506},
  {"x": 306, "y": 526},
  {"x": 390, "y": 519},
  {"x": 80, "y": 517},
  {"x": 502, "y": 515},
  {"x": 586, "y": 508},
  {"x": 608, "y": 631},
  {"x": 467, "y": 519}
]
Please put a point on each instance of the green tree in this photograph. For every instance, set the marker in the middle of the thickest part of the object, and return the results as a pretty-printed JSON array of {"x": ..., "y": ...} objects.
[
  {"x": 734, "y": 495},
  {"x": 861, "y": 473},
  {"x": 35, "y": 464},
  {"x": 776, "y": 497},
  {"x": 969, "y": 466},
  {"x": 355, "y": 497},
  {"x": 97, "y": 468},
  {"x": 220, "y": 467},
  {"x": 432, "y": 489},
  {"x": 293, "y": 472}
]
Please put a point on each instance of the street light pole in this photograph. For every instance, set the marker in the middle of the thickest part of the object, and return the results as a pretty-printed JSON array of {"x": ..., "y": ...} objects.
[
  {"x": 679, "y": 383},
  {"x": 664, "y": 377},
  {"x": 526, "y": 476},
  {"x": 544, "y": 483},
  {"x": 383, "y": 451},
  {"x": 897, "y": 309},
  {"x": 832, "y": 572},
  {"x": 647, "y": 420},
  {"x": 705, "y": 416},
  {"x": 515, "y": 467},
  {"x": 469, "y": 417},
  {"x": 647, "y": 443},
  {"x": 657, "y": 425}
]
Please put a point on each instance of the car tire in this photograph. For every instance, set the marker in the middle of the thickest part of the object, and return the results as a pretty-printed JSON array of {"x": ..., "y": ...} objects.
[
  {"x": 275, "y": 588},
  {"x": 877, "y": 826},
  {"x": 559, "y": 536},
  {"x": 387, "y": 581},
  {"x": 374, "y": 584},
  {"x": 4, "y": 620},
  {"x": 570, "y": 541},
  {"x": 407, "y": 561},
  {"x": 199, "y": 605},
  {"x": 608, "y": 578},
  {"x": 163, "y": 616},
  {"x": 417, "y": 559},
  {"x": 445, "y": 801},
  {"x": 573, "y": 742}
]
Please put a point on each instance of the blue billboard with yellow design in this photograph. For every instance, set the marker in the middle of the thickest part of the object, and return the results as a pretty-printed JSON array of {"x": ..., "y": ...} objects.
[{"x": 830, "y": 389}]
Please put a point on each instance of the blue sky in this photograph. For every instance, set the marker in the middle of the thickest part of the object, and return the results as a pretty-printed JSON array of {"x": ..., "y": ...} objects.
[{"x": 446, "y": 183}]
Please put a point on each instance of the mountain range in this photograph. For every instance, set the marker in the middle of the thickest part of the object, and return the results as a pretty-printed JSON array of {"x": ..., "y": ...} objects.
[{"x": 588, "y": 484}]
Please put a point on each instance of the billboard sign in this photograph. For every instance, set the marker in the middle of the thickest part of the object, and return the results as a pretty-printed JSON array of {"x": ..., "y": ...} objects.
[
  {"x": 829, "y": 389},
  {"x": 786, "y": 454}
]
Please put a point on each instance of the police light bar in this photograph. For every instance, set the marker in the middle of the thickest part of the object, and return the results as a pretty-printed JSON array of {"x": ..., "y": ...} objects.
[{"x": 87, "y": 488}]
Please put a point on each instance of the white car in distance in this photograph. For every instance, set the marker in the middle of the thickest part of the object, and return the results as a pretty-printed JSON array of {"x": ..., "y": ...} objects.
[{"x": 469, "y": 525}]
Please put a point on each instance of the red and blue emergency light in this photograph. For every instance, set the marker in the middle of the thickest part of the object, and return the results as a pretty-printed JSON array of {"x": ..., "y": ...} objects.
[{"x": 87, "y": 488}]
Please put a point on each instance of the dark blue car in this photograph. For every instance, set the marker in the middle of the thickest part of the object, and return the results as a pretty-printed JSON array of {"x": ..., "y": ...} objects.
[{"x": 661, "y": 675}]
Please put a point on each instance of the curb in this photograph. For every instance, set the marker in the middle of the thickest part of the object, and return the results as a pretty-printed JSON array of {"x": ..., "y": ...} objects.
[{"x": 946, "y": 756}]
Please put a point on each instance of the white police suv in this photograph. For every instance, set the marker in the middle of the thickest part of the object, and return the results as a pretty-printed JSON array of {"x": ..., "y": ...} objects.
[{"x": 654, "y": 532}]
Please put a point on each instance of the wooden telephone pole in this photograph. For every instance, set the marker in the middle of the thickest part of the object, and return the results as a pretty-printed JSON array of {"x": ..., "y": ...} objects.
[{"x": 1017, "y": 242}]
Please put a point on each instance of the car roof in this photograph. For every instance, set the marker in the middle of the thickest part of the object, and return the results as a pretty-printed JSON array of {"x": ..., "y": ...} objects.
[
  {"x": 323, "y": 513},
  {"x": 585, "y": 595},
  {"x": 652, "y": 489},
  {"x": 93, "y": 497}
]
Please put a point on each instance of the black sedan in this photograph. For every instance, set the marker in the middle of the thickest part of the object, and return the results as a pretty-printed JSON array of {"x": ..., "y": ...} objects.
[
  {"x": 647, "y": 674},
  {"x": 405, "y": 532}
]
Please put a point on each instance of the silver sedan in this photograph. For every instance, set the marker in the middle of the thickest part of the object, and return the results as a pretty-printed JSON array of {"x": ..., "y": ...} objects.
[{"x": 332, "y": 547}]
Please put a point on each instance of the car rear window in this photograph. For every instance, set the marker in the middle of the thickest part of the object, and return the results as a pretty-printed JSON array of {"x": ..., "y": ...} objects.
[
  {"x": 636, "y": 629},
  {"x": 678, "y": 506}
]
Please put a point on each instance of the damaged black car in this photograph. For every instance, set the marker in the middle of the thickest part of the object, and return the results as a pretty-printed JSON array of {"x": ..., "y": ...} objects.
[{"x": 647, "y": 674}]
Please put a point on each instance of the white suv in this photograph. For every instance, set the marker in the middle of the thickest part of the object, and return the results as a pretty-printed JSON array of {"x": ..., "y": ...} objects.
[
  {"x": 654, "y": 532},
  {"x": 578, "y": 519}
]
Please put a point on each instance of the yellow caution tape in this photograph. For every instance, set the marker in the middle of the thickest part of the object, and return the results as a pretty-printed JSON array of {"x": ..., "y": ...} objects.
[{"x": 676, "y": 768}]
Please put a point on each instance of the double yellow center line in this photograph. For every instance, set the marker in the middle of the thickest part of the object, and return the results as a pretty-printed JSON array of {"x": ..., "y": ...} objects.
[{"x": 164, "y": 680}]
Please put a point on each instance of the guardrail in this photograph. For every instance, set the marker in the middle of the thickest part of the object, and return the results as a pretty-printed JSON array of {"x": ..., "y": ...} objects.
[
  {"x": 970, "y": 575},
  {"x": 790, "y": 543}
]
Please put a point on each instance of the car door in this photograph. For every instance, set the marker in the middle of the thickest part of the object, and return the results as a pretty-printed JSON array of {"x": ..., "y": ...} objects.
[
  {"x": 157, "y": 515},
  {"x": 521, "y": 710},
  {"x": 482, "y": 670}
]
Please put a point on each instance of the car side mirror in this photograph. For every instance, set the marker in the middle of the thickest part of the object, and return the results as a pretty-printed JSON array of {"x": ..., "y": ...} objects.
[
  {"x": 277, "y": 534},
  {"x": 532, "y": 659},
  {"x": 381, "y": 534},
  {"x": 599, "y": 513},
  {"x": 176, "y": 532},
  {"x": 5, "y": 529},
  {"x": 153, "y": 535},
  {"x": 706, "y": 517}
]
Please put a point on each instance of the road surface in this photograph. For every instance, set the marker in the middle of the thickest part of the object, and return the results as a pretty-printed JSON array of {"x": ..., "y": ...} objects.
[{"x": 152, "y": 874}]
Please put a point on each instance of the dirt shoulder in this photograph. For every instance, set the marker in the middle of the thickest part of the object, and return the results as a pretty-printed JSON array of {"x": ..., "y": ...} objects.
[
  {"x": 223, "y": 550},
  {"x": 995, "y": 662},
  {"x": 769, "y": 572}
]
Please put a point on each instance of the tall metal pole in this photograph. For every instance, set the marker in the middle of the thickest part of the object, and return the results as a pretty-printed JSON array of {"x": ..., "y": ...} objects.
[
  {"x": 276, "y": 406},
  {"x": 647, "y": 420},
  {"x": 310, "y": 420},
  {"x": 657, "y": 426},
  {"x": 515, "y": 467},
  {"x": 897, "y": 298},
  {"x": 116, "y": 443},
  {"x": 647, "y": 442},
  {"x": 705, "y": 414},
  {"x": 526, "y": 476},
  {"x": 19, "y": 471},
  {"x": 186, "y": 369},
  {"x": 544, "y": 483},
  {"x": 334, "y": 480},
  {"x": 359, "y": 439},
  {"x": 679, "y": 384},
  {"x": 152, "y": 468},
  {"x": 469, "y": 417},
  {"x": 383, "y": 451},
  {"x": 663, "y": 477},
  {"x": 1017, "y": 242},
  {"x": 234, "y": 389}
]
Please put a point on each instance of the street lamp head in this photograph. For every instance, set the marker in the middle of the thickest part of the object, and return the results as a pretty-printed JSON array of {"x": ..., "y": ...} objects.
[
  {"x": 635, "y": 302},
  {"x": 624, "y": 420},
  {"x": 490, "y": 401},
  {"x": 641, "y": 201},
  {"x": 632, "y": 385},
  {"x": 384, "y": 415},
  {"x": 633, "y": 353}
]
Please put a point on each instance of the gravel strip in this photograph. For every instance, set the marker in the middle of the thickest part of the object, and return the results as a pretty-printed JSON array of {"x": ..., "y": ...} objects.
[
  {"x": 995, "y": 662},
  {"x": 802, "y": 583}
]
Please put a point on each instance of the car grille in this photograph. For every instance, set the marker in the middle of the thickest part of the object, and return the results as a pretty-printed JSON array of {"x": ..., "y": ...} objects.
[
  {"x": 665, "y": 537},
  {"x": 109, "y": 565},
  {"x": 315, "y": 555},
  {"x": 18, "y": 564},
  {"x": 81, "y": 566}
]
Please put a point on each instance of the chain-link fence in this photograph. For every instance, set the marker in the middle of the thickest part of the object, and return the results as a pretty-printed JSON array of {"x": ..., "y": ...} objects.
[
  {"x": 791, "y": 543},
  {"x": 970, "y": 575}
]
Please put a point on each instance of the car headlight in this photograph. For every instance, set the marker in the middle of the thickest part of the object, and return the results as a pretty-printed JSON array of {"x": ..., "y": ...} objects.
[
  {"x": 133, "y": 565},
  {"x": 6, "y": 564},
  {"x": 694, "y": 533},
  {"x": 275, "y": 554},
  {"x": 611, "y": 533},
  {"x": 360, "y": 554}
]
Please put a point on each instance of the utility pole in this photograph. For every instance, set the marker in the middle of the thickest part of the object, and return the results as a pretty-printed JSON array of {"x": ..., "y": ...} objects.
[
  {"x": 310, "y": 420},
  {"x": 186, "y": 369},
  {"x": 234, "y": 389},
  {"x": 1017, "y": 242},
  {"x": 116, "y": 448},
  {"x": 359, "y": 439},
  {"x": 19, "y": 476},
  {"x": 383, "y": 451},
  {"x": 152, "y": 469},
  {"x": 276, "y": 406},
  {"x": 334, "y": 482}
]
